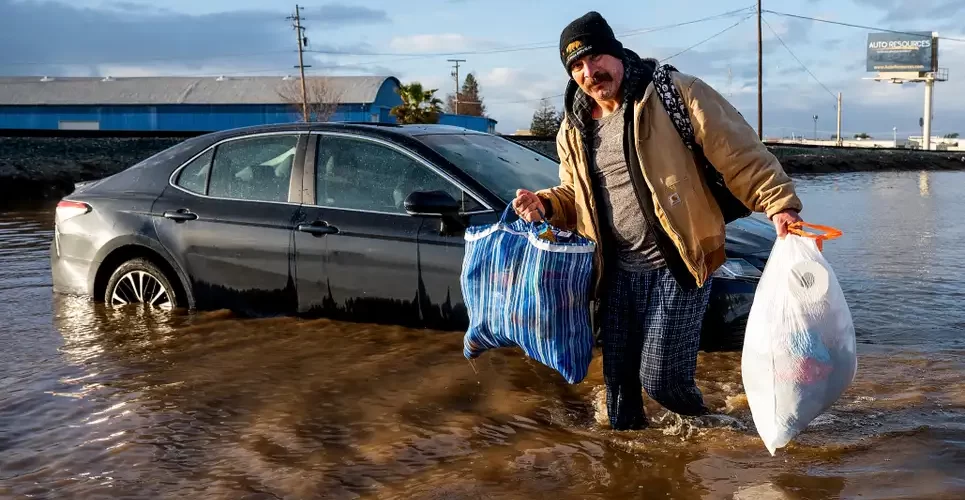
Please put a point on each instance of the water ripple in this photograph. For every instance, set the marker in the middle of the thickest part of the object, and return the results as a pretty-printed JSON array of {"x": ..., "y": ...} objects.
[{"x": 96, "y": 402}]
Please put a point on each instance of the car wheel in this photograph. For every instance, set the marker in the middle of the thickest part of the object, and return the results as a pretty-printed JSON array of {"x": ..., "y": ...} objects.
[{"x": 140, "y": 281}]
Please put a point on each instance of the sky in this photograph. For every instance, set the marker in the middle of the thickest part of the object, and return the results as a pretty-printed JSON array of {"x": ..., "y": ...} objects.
[{"x": 511, "y": 46}]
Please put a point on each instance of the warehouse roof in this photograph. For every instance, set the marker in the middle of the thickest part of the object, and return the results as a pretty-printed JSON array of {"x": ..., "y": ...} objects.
[{"x": 27, "y": 91}]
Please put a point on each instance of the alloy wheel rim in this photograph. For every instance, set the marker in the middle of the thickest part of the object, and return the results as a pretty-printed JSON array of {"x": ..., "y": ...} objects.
[{"x": 139, "y": 287}]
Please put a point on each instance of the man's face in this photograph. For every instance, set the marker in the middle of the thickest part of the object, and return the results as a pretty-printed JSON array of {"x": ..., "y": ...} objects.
[{"x": 599, "y": 75}]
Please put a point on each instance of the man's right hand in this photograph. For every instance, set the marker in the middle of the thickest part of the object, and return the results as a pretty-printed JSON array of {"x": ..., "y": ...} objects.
[{"x": 527, "y": 205}]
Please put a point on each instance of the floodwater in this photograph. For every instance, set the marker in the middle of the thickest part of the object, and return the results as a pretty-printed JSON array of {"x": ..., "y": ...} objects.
[{"x": 97, "y": 403}]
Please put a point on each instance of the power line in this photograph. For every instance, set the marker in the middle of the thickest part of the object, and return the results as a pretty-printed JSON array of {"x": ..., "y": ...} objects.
[
  {"x": 533, "y": 46},
  {"x": 521, "y": 101},
  {"x": 195, "y": 74},
  {"x": 142, "y": 60},
  {"x": 705, "y": 40},
  {"x": 796, "y": 58},
  {"x": 526, "y": 47},
  {"x": 400, "y": 55},
  {"x": 730, "y": 13},
  {"x": 715, "y": 35},
  {"x": 858, "y": 25},
  {"x": 393, "y": 55}
]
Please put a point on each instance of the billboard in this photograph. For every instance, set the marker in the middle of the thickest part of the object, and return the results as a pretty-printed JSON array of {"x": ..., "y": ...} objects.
[{"x": 904, "y": 52}]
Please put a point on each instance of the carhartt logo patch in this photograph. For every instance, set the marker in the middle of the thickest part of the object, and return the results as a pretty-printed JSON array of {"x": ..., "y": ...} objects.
[
  {"x": 573, "y": 46},
  {"x": 674, "y": 199}
]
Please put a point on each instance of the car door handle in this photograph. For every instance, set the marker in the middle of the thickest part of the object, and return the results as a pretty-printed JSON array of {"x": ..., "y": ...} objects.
[
  {"x": 180, "y": 215},
  {"x": 318, "y": 228}
]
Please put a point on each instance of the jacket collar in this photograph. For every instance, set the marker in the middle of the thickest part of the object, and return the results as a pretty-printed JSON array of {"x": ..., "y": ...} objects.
[{"x": 637, "y": 75}]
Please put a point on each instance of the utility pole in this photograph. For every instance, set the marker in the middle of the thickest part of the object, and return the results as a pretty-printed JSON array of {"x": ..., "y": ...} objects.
[
  {"x": 760, "y": 76},
  {"x": 839, "y": 143},
  {"x": 456, "y": 75},
  {"x": 302, "y": 42}
]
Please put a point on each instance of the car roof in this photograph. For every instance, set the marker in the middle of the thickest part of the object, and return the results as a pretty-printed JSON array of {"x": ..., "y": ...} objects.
[{"x": 380, "y": 129}]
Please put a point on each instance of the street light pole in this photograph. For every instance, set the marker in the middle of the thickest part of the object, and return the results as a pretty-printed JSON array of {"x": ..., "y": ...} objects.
[
  {"x": 838, "y": 138},
  {"x": 815, "y": 127}
]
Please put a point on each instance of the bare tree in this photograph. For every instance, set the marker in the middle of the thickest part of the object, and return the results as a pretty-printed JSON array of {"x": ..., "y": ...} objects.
[{"x": 323, "y": 97}]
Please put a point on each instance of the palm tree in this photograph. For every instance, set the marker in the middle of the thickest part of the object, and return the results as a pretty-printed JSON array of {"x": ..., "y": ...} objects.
[{"x": 418, "y": 105}]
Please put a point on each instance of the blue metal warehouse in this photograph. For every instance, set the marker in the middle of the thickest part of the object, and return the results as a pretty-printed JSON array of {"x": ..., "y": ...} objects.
[{"x": 193, "y": 104}]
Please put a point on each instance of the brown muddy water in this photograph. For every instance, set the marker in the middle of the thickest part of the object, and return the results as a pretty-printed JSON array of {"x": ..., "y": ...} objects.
[{"x": 96, "y": 403}]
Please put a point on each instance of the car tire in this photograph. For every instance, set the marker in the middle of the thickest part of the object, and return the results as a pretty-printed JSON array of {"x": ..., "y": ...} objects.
[{"x": 140, "y": 281}]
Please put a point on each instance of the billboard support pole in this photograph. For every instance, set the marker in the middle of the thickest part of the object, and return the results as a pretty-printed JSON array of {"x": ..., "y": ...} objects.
[
  {"x": 838, "y": 142},
  {"x": 926, "y": 132}
]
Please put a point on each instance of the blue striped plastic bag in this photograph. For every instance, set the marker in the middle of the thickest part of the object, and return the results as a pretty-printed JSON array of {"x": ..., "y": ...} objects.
[{"x": 523, "y": 290}]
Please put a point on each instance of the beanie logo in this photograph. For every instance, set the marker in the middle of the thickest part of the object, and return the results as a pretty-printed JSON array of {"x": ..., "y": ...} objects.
[{"x": 573, "y": 46}]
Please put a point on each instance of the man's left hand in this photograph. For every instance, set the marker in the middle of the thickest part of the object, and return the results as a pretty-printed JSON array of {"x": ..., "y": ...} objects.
[{"x": 783, "y": 219}]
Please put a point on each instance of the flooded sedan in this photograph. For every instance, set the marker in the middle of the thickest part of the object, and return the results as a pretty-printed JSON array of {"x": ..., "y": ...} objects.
[{"x": 343, "y": 221}]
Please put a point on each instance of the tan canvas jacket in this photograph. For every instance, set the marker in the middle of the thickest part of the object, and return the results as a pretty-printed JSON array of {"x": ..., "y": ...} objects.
[{"x": 683, "y": 203}]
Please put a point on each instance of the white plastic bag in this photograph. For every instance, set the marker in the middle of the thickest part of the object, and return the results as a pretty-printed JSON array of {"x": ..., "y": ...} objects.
[{"x": 799, "y": 346}]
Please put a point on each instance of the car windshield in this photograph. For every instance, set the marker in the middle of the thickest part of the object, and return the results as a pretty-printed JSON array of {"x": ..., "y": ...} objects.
[{"x": 499, "y": 164}]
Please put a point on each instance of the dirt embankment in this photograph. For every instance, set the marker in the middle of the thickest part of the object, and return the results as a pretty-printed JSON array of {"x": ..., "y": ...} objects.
[
  {"x": 37, "y": 168},
  {"x": 818, "y": 160}
]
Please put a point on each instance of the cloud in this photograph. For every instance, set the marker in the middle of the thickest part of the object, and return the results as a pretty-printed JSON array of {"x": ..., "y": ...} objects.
[
  {"x": 136, "y": 7},
  {"x": 792, "y": 96},
  {"x": 737, "y": 50},
  {"x": 77, "y": 39},
  {"x": 501, "y": 77},
  {"x": 790, "y": 30},
  {"x": 442, "y": 42},
  {"x": 344, "y": 66},
  {"x": 904, "y": 11},
  {"x": 339, "y": 14},
  {"x": 867, "y": 106},
  {"x": 512, "y": 94},
  {"x": 831, "y": 44},
  {"x": 363, "y": 50},
  {"x": 520, "y": 83}
]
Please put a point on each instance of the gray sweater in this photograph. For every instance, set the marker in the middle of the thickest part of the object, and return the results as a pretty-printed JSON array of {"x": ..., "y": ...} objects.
[{"x": 621, "y": 217}]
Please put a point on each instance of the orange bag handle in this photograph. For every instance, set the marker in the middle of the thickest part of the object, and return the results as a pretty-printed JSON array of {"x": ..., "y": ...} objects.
[{"x": 830, "y": 232}]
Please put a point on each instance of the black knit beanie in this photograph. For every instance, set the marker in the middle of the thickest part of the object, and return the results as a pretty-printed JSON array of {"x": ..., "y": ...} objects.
[{"x": 588, "y": 34}]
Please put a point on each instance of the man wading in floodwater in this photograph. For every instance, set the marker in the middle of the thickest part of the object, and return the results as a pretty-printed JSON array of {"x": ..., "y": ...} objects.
[{"x": 628, "y": 182}]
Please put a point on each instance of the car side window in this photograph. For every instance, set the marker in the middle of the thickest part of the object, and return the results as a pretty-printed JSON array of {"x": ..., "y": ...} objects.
[
  {"x": 255, "y": 168},
  {"x": 194, "y": 175},
  {"x": 360, "y": 174}
]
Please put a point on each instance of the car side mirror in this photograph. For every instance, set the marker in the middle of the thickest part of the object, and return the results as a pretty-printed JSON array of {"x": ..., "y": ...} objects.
[{"x": 431, "y": 203}]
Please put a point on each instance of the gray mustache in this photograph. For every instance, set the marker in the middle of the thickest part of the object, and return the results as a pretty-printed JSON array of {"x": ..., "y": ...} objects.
[{"x": 600, "y": 78}]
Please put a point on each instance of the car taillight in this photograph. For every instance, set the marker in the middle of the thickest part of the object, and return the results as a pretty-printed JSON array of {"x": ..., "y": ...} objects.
[{"x": 67, "y": 209}]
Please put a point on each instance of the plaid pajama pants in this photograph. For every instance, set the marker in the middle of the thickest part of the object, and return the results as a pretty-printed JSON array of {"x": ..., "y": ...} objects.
[{"x": 651, "y": 335}]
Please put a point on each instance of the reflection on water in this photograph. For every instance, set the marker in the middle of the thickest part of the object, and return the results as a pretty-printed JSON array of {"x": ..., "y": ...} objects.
[{"x": 102, "y": 402}]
